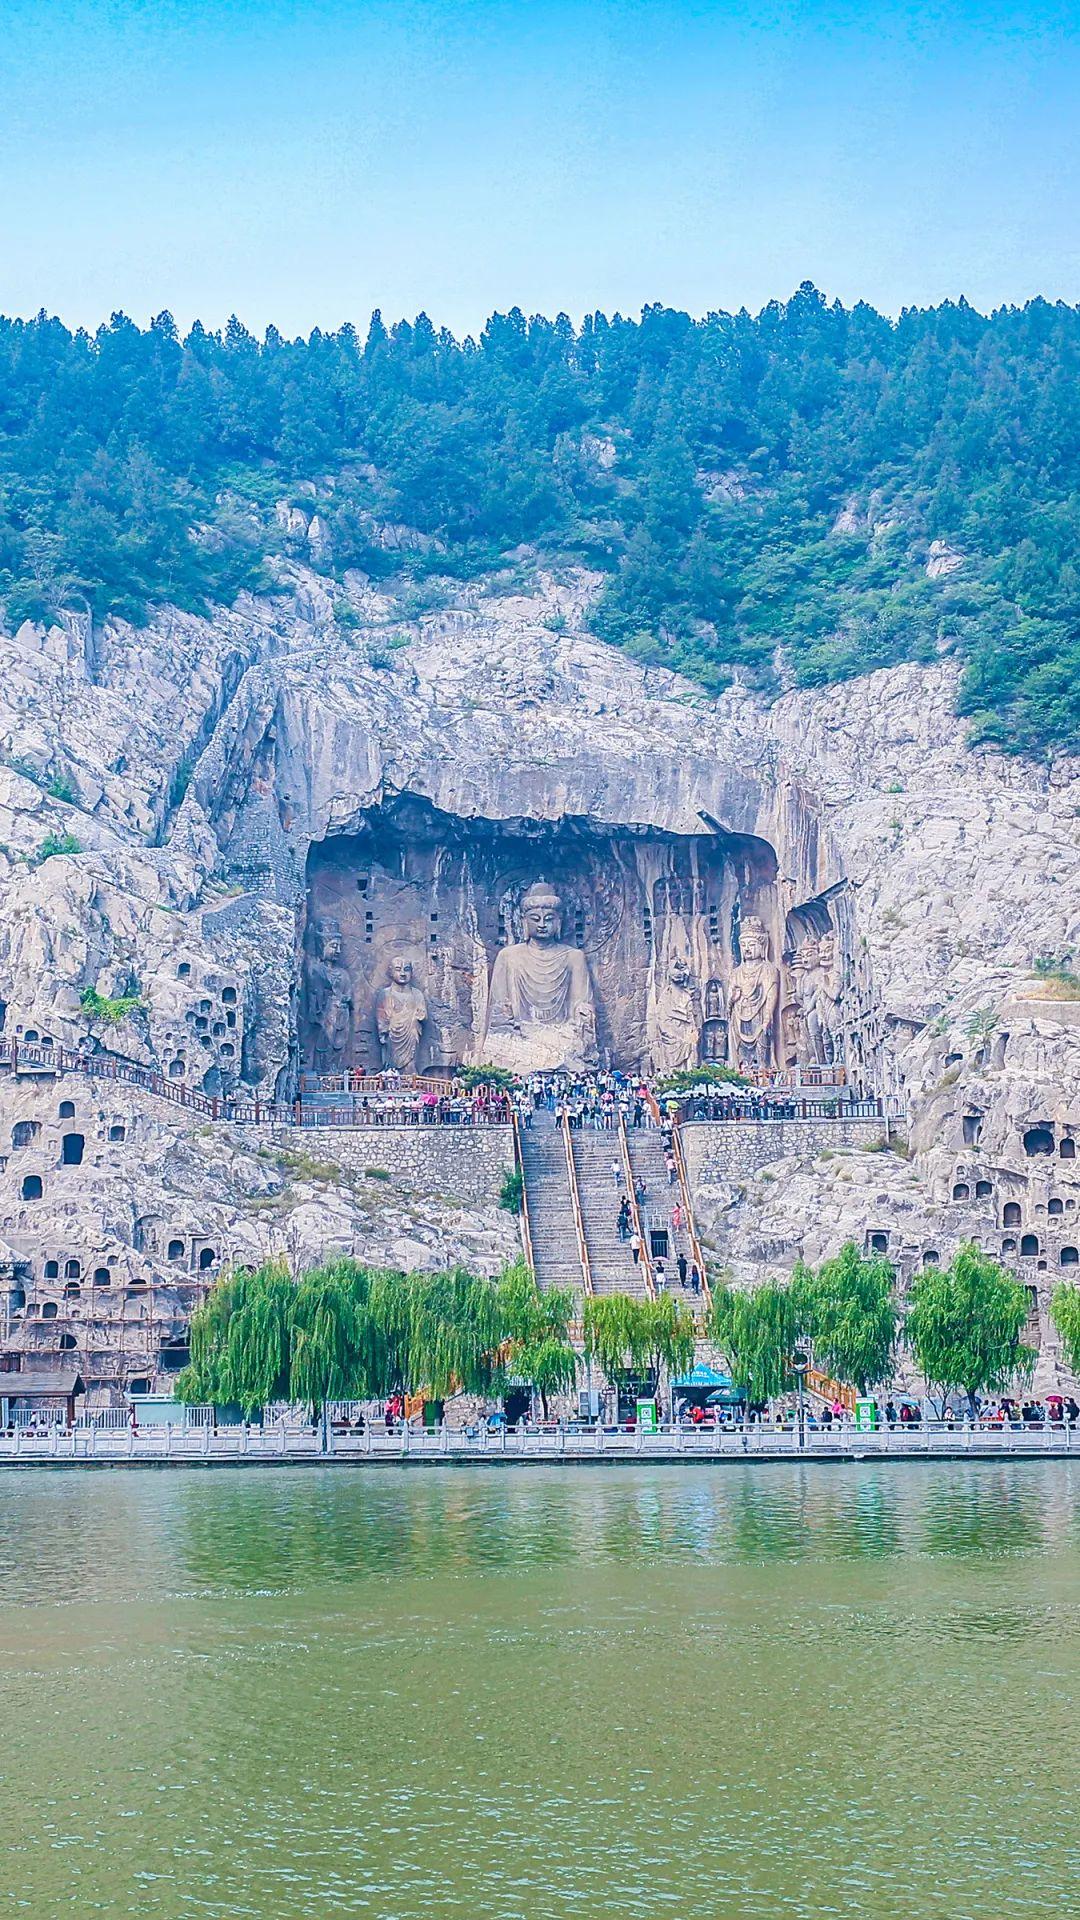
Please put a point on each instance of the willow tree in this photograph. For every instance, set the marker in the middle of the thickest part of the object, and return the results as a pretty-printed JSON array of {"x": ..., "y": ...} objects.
[
  {"x": 628, "y": 1337},
  {"x": 1065, "y": 1314},
  {"x": 240, "y": 1341},
  {"x": 454, "y": 1332},
  {"x": 849, "y": 1308},
  {"x": 327, "y": 1335},
  {"x": 756, "y": 1331},
  {"x": 535, "y": 1325},
  {"x": 964, "y": 1325}
]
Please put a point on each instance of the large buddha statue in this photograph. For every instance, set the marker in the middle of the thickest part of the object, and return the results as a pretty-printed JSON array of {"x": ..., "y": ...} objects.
[
  {"x": 673, "y": 1025},
  {"x": 400, "y": 1013},
  {"x": 541, "y": 1011},
  {"x": 752, "y": 1000}
]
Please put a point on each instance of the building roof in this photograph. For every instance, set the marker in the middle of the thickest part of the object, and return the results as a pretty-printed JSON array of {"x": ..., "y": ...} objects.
[{"x": 41, "y": 1386}]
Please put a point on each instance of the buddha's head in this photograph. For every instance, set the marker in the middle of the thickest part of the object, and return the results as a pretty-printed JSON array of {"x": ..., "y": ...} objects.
[
  {"x": 328, "y": 939},
  {"x": 753, "y": 940},
  {"x": 541, "y": 914},
  {"x": 678, "y": 971},
  {"x": 400, "y": 970}
]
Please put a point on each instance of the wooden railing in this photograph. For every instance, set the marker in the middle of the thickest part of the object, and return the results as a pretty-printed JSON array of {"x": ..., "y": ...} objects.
[
  {"x": 575, "y": 1202},
  {"x": 831, "y": 1390},
  {"x": 526, "y": 1225},
  {"x": 645, "y": 1255},
  {"x": 684, "y": 1189}
]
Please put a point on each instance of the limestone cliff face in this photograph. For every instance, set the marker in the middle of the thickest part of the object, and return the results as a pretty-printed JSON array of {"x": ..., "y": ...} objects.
[{"x": 197, "y": 762}]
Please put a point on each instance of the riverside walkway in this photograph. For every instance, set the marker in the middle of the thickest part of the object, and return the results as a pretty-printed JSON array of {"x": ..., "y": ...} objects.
[{"x": 286, "y": 1444}]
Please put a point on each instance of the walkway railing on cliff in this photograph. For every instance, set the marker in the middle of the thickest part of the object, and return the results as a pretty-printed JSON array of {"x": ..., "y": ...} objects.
[
  {"x": 372, "y": 1099},
  {"x": 354, "y": 1099}
]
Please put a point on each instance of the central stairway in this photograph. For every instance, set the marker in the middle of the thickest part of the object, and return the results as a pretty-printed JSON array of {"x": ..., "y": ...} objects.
[
  {"x": 611, "y": 1262},
  {"x": 552, "y": 1230},
  {"x": 648, "y": 1161}
]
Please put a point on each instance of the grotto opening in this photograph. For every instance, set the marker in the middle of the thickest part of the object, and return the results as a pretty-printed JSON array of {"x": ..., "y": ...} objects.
[{"x": 429, "y": 941}]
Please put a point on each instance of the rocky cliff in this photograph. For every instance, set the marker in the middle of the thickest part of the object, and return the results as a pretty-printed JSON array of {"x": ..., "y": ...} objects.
[{"x": 161, "y": 794}]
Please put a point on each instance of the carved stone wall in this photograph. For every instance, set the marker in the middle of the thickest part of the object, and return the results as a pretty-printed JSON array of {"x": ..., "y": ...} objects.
[{"x": 674, "y": 929}]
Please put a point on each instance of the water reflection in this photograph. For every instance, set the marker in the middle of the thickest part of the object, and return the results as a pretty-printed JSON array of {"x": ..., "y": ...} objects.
[
  {"x": 77, "y": 1536},
  {"x": 537, "y": 1693}
]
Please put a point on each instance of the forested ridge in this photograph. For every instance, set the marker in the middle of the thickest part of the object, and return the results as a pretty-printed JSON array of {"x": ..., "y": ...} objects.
[{"x": 803, "y": 494}]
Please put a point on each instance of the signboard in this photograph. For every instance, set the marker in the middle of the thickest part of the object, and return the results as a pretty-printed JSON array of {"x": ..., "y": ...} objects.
[
  {"x": 647, "y": 1417},
  {"x": 866, "y": 1416}
]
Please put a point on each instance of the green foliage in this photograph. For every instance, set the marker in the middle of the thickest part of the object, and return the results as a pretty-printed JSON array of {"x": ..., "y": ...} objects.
[
  {"x": 536, "y": 1333},
  {"x": 964, "y": 1325},
  {"x": 1065, "y": 1314},
  {"x": 60, "y": 788},
  {"x": 1059, "y": 981},
  {"x": 454, "y": 1333},
  {"x": 329, "y": 1334},
  {"x": 631, "y": 1337},
  {"x": 55, "y": 843},
  {"x": 981, "y": 1024},
  {"x": 499, "y": 1079},
  {"x": 848, "y": 1308},
  {"x": 110, "y": 1011},
  {"x": 756, "y": 1330},
  {"x": 512, "y": 1191},
  {"x": 240, "y": 1341},
  {"x": 778, "y": 480},
  {"x": 689, "y": 1079}
]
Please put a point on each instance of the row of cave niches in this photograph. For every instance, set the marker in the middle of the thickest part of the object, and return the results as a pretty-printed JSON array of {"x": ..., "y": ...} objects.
[
  {"x": 94, "y": 1288},
  {"x": 211, "y": 1025}
]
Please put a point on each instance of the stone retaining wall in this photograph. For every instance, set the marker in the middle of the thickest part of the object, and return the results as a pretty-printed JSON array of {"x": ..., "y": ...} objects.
[
  {"x": 732, "y": 1149},
  {"x": 463, "y": 1163}
]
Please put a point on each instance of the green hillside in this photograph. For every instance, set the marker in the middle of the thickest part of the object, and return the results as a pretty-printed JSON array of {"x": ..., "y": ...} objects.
[{"x": 806, "y": 493}]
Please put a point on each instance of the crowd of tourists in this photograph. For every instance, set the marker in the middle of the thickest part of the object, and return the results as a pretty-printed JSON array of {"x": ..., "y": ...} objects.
[
  {"x": 596, "y": 1100},
  {"x": 393, "y": 1104}
]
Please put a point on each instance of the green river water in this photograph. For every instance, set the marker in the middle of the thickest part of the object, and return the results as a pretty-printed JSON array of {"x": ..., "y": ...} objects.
[{"x": 541, "y": 1693}]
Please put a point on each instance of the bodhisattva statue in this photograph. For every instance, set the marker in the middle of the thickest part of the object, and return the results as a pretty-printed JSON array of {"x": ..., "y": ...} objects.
[
  {"x": 400, "y": 1013},
  {"x": 825, "y": 1017},
  {"x": 752, "y": 1000},
  {"x": 673, "y": 1025},
  {"x": 329, "y": 1000},
  {"x": 541, "y": 1011},
  {"x": 798, "y": 1003}
]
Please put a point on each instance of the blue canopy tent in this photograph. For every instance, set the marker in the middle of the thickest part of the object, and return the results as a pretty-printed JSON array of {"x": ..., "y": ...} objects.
[{"x": 707, "y": 1387}]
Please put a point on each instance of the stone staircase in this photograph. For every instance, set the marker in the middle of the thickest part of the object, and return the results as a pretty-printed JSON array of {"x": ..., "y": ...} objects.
[
  {"x": 551, "y": 1213},
  {"x": 611, "y": 1262},
  {"x": 647, "y": 1159}
]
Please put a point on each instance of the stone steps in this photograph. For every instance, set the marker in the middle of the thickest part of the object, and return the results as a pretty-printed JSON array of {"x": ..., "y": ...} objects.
[
  {"x": 611, "y": 1263},
  {"x": 551, "y": 1212},
  {"x": 647, "y": 1158}
]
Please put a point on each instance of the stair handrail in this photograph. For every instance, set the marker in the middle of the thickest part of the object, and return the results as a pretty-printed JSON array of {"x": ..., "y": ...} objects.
[
  {"x": 575, "y": 1202},
  {"x": 526, "y": 1225},
  {"x": 635, "y": 1210},
  {"x": 829, "y": 1389},
  {"x": 684, "y": 1189}
]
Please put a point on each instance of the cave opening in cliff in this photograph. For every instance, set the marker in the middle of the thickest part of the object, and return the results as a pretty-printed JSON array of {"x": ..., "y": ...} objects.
[{"x": 405, "y": 921}]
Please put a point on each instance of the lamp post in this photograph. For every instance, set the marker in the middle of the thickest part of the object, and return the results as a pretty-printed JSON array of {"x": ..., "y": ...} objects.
[{"x": 800, "y": 1361}]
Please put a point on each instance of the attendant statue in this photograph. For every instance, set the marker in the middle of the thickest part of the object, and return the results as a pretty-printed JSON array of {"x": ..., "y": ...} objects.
[
  {"x": 400, "y": 1013},
  {"x": 797, "y": 1006},
  {"x": 329, "y": 1000},
  {"x": 752, "y": 1000},
  {"x": 825, "y": 1017},
  {"x": 673, "y": 1025},
  {"x": 541, "y": 1011}
]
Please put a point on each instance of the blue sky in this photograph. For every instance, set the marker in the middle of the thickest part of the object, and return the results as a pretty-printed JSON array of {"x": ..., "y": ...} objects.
[{"x": 304, "y": 162}]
